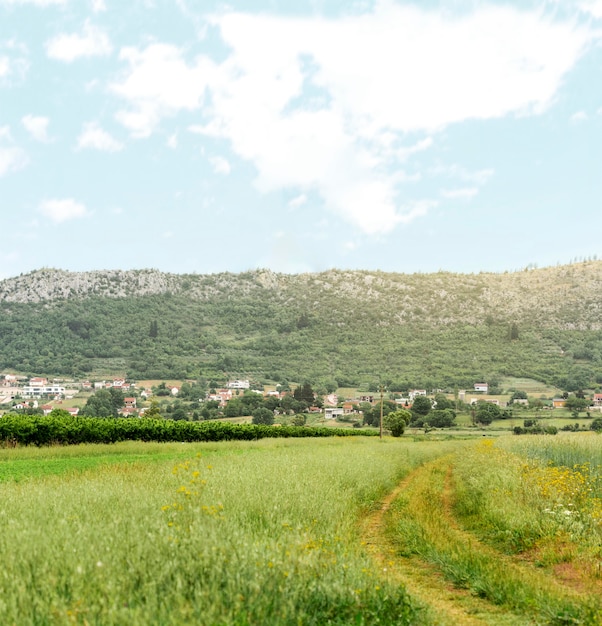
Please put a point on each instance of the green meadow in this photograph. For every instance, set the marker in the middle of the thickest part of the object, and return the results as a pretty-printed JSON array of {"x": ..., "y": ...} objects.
[{"x": 304, "y": 531}]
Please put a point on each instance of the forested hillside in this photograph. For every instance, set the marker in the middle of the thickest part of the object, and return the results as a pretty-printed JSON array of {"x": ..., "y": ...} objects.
[{"x": 348, "y": 327}]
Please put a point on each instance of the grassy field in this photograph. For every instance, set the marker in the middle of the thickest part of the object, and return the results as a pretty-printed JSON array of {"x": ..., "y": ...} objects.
[
  {"x": 420, "y": 530},
  {"x": 532, "y": 387}
]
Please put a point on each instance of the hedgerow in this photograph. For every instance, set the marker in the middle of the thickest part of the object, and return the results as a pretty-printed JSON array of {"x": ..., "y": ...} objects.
[{"x": 46, "y": 430}]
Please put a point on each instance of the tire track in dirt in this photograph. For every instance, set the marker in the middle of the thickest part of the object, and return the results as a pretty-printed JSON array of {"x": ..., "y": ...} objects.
[
  {"x": 568, "y": 588},
  {"x": 421, "y": 580},
  {"x": 448, "y": 605}
]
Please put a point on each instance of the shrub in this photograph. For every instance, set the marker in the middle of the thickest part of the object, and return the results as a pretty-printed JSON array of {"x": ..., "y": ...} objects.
[
  {"x": 441, "y": 418},
  {"x": 263, "y": 416},
  {"x": 397, "y": 421},
  {"x": 596, "y": 424}
]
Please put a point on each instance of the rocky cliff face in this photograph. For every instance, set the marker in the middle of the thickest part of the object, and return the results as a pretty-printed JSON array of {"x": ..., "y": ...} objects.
[{"x": 567, "y": 296}]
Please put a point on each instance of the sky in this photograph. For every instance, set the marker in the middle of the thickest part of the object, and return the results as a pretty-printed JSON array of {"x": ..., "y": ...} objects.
[{"x": 195, "y": 136}]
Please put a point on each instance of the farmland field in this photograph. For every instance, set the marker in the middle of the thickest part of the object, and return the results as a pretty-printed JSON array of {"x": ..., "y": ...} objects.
[{"x": 334, "y": 531}]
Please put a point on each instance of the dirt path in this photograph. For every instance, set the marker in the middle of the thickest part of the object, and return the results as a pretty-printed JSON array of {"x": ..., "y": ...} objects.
[{"x": 448, "y": 606}]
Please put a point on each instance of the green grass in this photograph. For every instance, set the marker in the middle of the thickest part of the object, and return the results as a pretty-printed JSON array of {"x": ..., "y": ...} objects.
[
  {"x": 533, "y": 388},
  {"x": 270, "y": 531},
  {"x": 33, "y": 462},
  {"x": 270, "y": 537},
  {"x": 470, "y": 513}
]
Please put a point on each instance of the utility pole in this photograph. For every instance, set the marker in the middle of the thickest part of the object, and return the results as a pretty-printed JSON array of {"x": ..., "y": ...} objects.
[{"x": 382, "y": 390}]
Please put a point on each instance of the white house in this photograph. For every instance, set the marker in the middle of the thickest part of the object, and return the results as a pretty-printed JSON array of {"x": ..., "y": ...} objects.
[
  {"x": 239, "y": 384},
  {"x": 482, "y": 387},
  {"x": 331, "y": 413},
  {"x": 48, "y": 390}
]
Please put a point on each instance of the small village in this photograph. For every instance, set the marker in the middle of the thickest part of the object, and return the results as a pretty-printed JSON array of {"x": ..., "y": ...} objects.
[{"x": 41, "y": 396}]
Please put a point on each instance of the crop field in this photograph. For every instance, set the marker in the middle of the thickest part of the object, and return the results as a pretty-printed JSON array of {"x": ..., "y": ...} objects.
[{"x": 343, "y": 531}]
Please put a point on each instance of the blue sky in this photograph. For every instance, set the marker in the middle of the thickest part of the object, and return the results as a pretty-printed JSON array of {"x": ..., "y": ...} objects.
[{"x": 199, "y": 136}]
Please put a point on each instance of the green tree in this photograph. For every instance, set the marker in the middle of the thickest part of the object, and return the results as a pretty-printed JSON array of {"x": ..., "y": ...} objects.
[
  {"x": 104, "y": 403},
  {"x": 299, "y": 420},
  {"x": 518, "y": 395},
  {"x": 596, "y": 424},
  {"x": 234, "y": 408},
  {"x": 304, "y": 393},
  {"x": 372, "y": 412},
  {"x": 487, "y": 412},
  {"x": 262, "y": 415},
  {"x": 153, "y": 412},
  {"x": 442, "y": 402},
  {"x": 576, "y": 404},
  {"x": 441, "y": 418},
  {"x": 250, "y": 401},
  {"x": 421, "y": 406},
  {"x": 179, "y": 413},
  {"x": 397, "y": 421}
]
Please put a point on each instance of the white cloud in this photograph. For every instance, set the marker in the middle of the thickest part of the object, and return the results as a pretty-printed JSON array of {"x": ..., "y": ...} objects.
[
  {"x": 579, "y": 116},
  {"x": 39, "y": 3},
  {"x": 13, "y": 62},
  {"x": 36, "y": 126},
  {"x": 4, "y": 66},
  {"x": 158, "y": 83},
  {"x": 416, "y": 72},
  {"x": 593, "y": 7},
  {"x": 62, "y": 210},
  {"x": 98, "y": 6},
  {"x": 473, "y": 177},
  {"x": 298, "y": 201},
  {"x": 220, "y": 165},
  {"x": 172, "y": 141},
  {"x": 12, "y": 158},
  {"x": 94, "y": 137},
  {"x": 465, "y": 193},
  {"x": 93, "y": 42}
]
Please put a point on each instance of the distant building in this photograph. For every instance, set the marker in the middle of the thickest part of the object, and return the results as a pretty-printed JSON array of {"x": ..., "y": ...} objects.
[
  {"x": 239, "y": 384},
  {"x": 47, "y": 390},
  {"x": 331, "y": 400},
  {"x": 481, "y": 387},
  {"x": 331, "y": 413}
]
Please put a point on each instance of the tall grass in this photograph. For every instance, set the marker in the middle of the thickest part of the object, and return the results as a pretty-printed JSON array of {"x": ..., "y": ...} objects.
[
  {"x": 567, "y": 449},
  {"x": 470, "y": 513},
  {"x": 249, "y": 533}
]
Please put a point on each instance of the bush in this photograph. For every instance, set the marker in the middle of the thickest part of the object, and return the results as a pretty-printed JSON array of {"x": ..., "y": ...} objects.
[
  {"x": 45, "y": 430},
  {"x": 441, "y": 418},
  {"x": 397, "y": 421},
  {"x": 263, "y": 416},
  {"x": 533, "y": 427},
  {"x": 487, "y": 412},
  {"x": 596, "y": 424}
]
